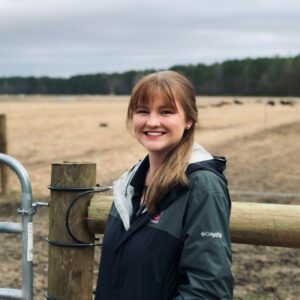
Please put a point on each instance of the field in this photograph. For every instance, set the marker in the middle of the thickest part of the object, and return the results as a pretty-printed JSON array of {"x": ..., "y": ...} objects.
[{"x": 260, "y": 141}]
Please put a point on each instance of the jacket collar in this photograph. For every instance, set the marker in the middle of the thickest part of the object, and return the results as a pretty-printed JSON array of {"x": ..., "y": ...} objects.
[{"x": 124, "y": 187}]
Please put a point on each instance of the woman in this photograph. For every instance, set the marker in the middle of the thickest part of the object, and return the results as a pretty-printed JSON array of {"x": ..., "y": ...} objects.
[{"x": 167, "y": 236}]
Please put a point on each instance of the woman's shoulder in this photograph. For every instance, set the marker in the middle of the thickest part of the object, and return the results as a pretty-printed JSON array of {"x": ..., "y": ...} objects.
[
  {"x": 206, "y": 180},
  {"x": 208, "y": 188}
]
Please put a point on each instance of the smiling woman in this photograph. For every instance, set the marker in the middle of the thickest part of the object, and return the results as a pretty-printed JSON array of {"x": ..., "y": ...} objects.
[
  {"x": 153, "y": 247},
  {"x": 162, "y": 112}
]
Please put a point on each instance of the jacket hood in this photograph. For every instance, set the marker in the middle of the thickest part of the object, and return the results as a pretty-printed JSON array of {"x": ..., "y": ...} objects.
[{"x": 123, "y": 191}]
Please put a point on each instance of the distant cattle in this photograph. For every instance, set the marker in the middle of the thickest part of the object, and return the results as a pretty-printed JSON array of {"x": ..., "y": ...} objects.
[
  {"x": 287, "y": 102},
  {"x": 226, "y": 102},
  {"x": 236, "y": 101},
  {"x": 271, "y": 102},
  {"x": 219, "y": 104}
]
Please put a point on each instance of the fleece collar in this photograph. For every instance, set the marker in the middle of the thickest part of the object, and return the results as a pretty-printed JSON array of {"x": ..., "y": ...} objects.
[{"x": 123, "y": 191}]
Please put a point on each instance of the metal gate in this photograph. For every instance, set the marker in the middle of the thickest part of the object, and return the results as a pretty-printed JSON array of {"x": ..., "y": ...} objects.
[{"x": 24, "y": 228}]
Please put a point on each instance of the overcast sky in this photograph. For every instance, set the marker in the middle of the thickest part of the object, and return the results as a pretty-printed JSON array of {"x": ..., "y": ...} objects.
[{"x": 68, "y": 37}]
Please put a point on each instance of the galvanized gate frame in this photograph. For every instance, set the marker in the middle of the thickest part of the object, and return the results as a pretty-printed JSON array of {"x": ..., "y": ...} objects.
[{"x": 24, "y": 228}]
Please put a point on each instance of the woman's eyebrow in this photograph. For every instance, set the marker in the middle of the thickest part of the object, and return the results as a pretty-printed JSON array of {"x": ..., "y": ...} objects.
[{"x": 168, "y": 107}]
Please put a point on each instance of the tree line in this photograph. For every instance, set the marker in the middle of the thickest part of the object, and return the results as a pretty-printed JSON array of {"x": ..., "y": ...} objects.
[{"x": 247, "y": 77}]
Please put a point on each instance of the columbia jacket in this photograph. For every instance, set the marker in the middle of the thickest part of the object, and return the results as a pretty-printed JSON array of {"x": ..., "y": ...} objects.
[{"x": 181, "y": 253}]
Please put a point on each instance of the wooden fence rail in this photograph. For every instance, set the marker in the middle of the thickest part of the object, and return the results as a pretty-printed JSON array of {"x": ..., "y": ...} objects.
[{"x": 251, "y": 223}]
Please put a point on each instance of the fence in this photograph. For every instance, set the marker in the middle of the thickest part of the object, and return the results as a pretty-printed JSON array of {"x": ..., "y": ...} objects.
[
  {"x": 71, "y": 240},
  {"x": 251, "y": 223}
]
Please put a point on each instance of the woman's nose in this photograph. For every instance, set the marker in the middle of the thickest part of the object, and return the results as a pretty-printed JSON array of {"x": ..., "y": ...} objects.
[{"x": 153, "y": 120}]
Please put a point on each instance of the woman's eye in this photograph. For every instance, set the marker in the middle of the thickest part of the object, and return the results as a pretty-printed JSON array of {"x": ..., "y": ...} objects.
[
  {"x": 167, "y": 112},
  {"x": 141, "y": 111}
]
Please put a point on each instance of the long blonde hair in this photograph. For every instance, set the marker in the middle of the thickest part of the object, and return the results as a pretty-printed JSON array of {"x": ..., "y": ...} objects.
[{"x": 171, "y": 86}]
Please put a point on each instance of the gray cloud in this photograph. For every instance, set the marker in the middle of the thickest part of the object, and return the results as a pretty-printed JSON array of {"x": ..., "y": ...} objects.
[{"x": 76, "y": 36}]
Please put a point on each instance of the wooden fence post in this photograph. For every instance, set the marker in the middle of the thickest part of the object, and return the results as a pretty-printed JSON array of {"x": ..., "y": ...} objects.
[
  {"x": 3, "y": 149},
  {"x": 70, "y": 269}
]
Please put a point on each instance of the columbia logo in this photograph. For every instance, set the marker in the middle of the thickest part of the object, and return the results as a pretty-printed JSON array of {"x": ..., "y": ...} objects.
[{"x": 217, "y": 235}]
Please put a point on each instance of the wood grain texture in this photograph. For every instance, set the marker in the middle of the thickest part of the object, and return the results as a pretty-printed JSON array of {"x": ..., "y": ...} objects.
[
  {"x": 275, "y": 225},
  {"x": 70, "y": 271}
]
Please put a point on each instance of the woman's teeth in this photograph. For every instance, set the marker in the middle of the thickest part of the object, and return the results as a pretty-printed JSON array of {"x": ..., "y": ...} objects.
[{"x": 151, "y": 133}]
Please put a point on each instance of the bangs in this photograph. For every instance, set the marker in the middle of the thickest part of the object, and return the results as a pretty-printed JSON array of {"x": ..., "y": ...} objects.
[{"x": 147, "y": 93}]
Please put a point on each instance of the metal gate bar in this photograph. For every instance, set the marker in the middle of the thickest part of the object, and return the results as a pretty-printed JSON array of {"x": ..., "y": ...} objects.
[{"x": 24, "y": 228}]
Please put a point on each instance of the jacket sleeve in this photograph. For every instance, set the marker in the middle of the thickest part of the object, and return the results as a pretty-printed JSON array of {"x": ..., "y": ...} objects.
[{"x": 205, "y": 263}]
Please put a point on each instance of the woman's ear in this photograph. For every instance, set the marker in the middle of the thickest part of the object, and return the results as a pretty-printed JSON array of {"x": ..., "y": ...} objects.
[{"x": 189, "y": 124}]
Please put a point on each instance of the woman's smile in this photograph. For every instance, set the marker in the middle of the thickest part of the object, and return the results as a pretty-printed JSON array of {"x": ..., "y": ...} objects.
[{"x": 154, "y": 133}]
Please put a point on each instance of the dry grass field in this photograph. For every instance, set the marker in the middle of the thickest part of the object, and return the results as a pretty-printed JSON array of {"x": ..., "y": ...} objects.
[{"x": 260, "y": 141}]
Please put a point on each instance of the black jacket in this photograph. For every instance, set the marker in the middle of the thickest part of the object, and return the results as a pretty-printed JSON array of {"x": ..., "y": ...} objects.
[{"x": 182, "y": 253}]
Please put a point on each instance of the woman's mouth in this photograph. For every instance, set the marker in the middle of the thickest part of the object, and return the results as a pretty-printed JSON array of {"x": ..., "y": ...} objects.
[{"x": 154, "y": 133}]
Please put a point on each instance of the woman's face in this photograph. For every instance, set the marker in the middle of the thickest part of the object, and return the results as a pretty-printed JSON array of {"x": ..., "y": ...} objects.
[{"x": 159, "y": 127}]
